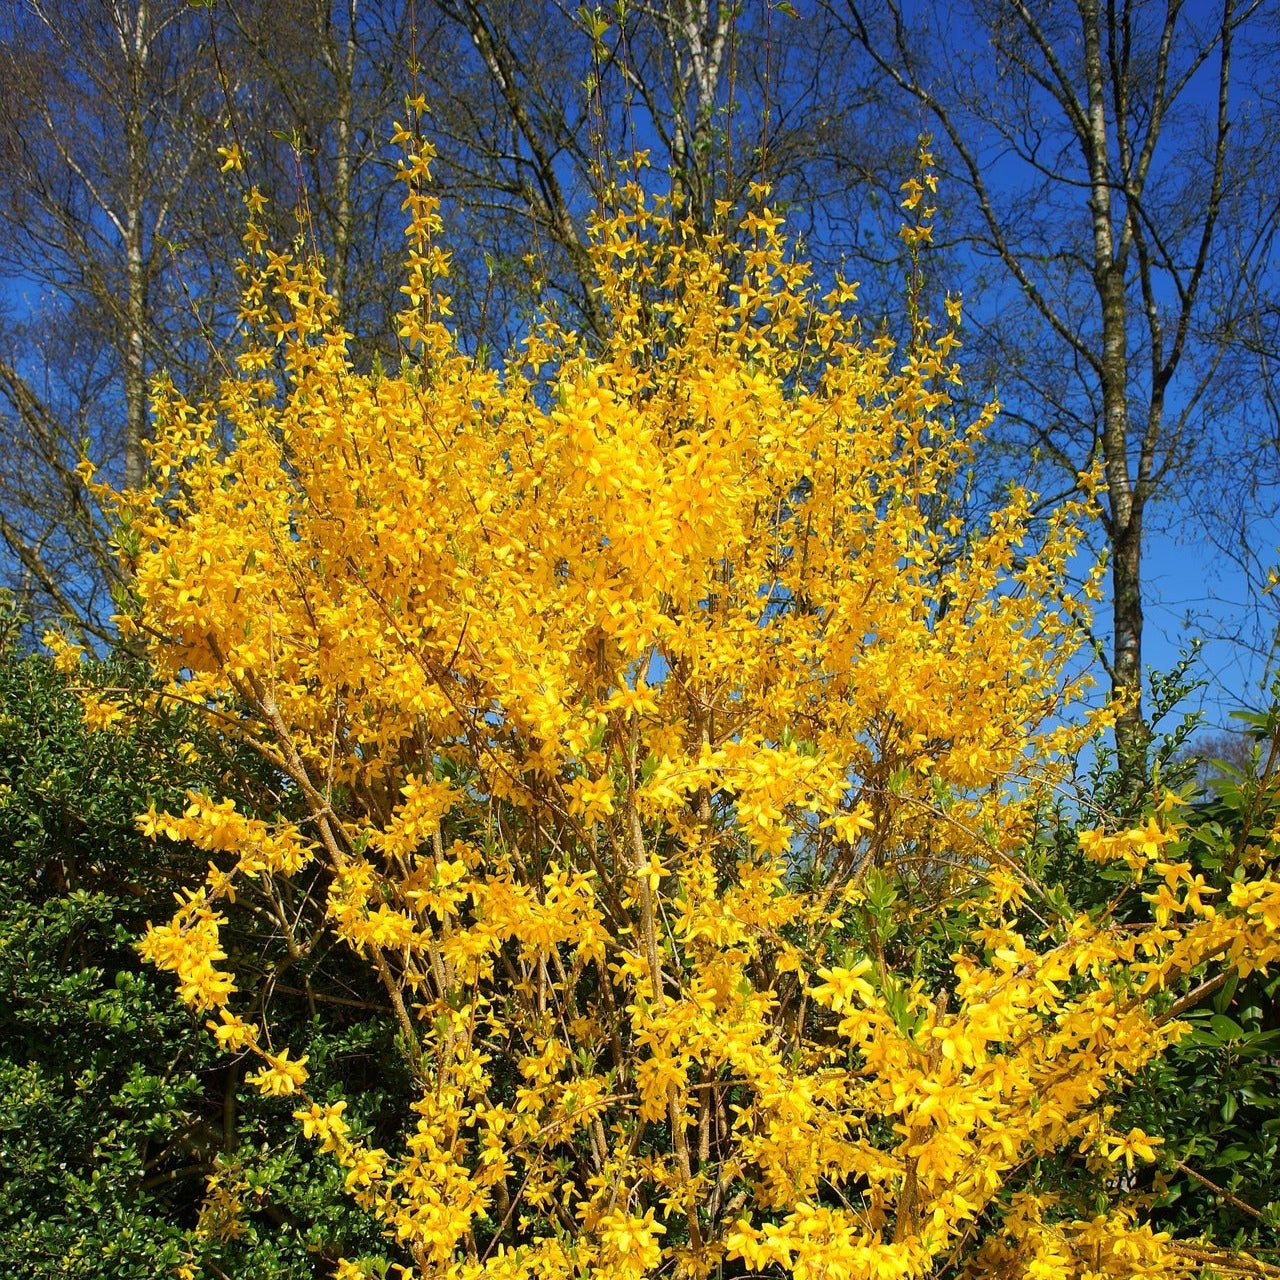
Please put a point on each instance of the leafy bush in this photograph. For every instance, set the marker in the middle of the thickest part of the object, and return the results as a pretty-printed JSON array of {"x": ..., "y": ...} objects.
[{"x": 115, "y": 1108}]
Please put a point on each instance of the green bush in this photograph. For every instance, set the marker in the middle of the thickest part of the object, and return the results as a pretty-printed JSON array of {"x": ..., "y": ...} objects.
[{"x": 115, "y": 1108}]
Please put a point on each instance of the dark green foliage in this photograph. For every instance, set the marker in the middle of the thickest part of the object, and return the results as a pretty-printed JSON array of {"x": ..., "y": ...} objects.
[
  {"x": 114, "y": 1104},
  {"x": 1214, "y": 1098}
]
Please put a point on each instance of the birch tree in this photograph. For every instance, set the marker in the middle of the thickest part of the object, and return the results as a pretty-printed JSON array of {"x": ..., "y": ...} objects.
[
  {"x": 1107, "y": 152},
  {"x": 119, "y": 233},
  {"x": 106, "y": 137}
]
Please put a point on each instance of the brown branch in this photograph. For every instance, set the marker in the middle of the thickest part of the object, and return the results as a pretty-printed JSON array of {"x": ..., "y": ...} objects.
[
  {"x": 1236, "y": 1263},
  {"x": 1192, "y": 998},
  {"x": 1220, "y": 1191}
]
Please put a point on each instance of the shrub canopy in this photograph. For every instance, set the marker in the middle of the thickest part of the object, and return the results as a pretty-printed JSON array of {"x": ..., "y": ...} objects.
[{"x": 670, "y": 743}]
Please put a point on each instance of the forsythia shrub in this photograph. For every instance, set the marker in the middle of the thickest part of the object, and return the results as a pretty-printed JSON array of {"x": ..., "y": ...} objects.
[{"x": 652, "y": 706}]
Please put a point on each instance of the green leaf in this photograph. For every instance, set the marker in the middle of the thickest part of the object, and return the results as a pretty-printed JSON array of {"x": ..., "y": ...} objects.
[{"x": 1225, "y": 1028}]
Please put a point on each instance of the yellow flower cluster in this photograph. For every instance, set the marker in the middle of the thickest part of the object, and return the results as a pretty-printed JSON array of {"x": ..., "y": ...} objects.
[{"x": 615, "y": 680}]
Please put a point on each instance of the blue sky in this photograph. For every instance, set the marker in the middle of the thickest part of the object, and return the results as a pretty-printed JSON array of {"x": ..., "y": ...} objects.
[{"x": 1194, "y": 591}]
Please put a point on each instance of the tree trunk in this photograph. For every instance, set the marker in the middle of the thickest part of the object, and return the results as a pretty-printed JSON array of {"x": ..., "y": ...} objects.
[
  {"x": 1126, "y": 591},
  {"x": 136, "y": 49},
  {"x": 1125, "y": 523},
  {"x": 342, "y": 65},
  {"x": 1124, "y": 526},
  {"x": 135, "y": 377}
]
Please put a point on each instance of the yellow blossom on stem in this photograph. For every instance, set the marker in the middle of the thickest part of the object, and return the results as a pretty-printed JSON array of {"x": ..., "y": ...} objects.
[{"x": 649, "y": 702}]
